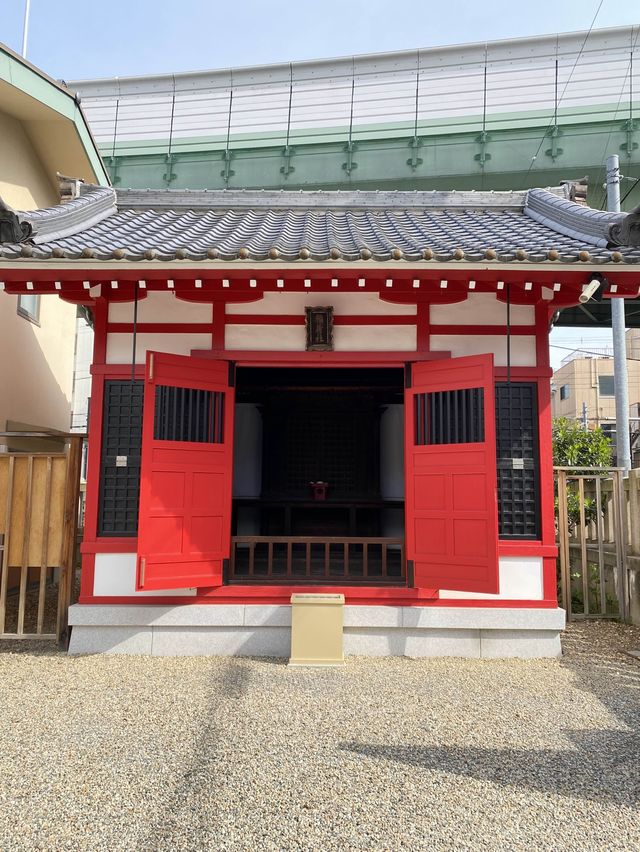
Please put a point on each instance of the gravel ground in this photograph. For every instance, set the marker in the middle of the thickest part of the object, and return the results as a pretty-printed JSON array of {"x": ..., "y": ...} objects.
[{"x": 120, "y": 753}]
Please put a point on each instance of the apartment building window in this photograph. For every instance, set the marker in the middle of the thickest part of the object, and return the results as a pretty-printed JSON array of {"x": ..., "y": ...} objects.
[
  {"x": 606, "y": 386},
  {"x": 29, "y": 306},
  {"x": 564, "y": 391}
]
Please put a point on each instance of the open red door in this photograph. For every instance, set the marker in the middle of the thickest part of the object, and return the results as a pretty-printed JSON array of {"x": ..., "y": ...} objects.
[
  {"x": 186, "y": 473},
  {"x": 451, "y": 492}
]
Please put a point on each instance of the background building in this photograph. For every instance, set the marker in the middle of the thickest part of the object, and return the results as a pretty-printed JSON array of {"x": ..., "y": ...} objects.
[
  {"x": 583, "y": 388},
  {"x": 43, "y": 134}
]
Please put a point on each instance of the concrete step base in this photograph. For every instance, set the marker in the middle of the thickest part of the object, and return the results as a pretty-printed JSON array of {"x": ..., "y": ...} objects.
[{"x": 265, "y": 631}]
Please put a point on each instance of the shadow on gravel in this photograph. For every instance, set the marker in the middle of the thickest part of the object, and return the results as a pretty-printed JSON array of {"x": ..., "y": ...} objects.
[
  {"x": 604, "y": 766},
  {"x": 31, "y": 647},
  {"x": 605, "y": 671},
  {"x": 597, "y": 765},
  {"x": 184, "y": 818}
]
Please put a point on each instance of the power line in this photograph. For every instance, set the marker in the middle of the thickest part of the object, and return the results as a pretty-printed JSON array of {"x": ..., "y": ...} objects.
[
  {"x": 628, "y": 73},
  {"x": 587, "y": 351},
  {"x": 630, "y": 190},
  {"x": 558, "y": 101}
]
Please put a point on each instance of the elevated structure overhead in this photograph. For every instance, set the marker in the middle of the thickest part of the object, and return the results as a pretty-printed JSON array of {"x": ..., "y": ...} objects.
[{"x": 524, "y": 112}]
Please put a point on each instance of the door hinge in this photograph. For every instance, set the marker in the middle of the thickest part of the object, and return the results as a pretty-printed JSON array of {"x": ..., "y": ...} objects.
[
  {"x": 151, "y": 366},
  {"x": 232, "y": 374},
  {"x": 407, "y": 376},
  {"x": 143, "y": 565},
  {"x": 410, "y": 577},
  {"x": 225, "y": 571}
]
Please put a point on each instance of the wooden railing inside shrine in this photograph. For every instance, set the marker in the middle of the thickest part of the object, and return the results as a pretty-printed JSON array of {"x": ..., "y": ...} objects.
[
  {"x": 39, "y": 496},
  {"x": 317, "y": 560}
]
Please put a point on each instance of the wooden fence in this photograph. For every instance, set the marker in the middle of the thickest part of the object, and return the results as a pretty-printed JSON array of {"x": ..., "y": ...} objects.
[
  {"x": 39, "y": 496},
  {"x": 598, "y": 526}
]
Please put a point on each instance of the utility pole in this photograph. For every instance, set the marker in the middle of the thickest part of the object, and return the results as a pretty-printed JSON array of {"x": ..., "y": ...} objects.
[
  {"x": 585, "y": 420},
  {"x": 621, "y": 378},
  {"x": 25, "y": 28}
]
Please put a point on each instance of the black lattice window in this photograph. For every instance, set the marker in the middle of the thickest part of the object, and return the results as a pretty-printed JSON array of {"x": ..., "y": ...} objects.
[
  {"x": 120, "y": 462},
  {"x": 518, "y": 460},
  {"x": 449, "y": 417},
  {"x": 189, "y": 414},
  {"x": 311, "y": 437}
]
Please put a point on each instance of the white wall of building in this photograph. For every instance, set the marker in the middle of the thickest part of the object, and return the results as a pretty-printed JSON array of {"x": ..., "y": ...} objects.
[
  {"x": 278, "y": 303},
  {"x": 478, "y": 309},
  {"x": 392, "y": 453},
  {"x": 481, "y": 309},
  {"x": 36, "y": 367},
  {"x": 520, "y": 579},
  {"x": 161, "y": 307},
  {"x": 247, "y": 451},
  {"x": 82, "y": 375}
]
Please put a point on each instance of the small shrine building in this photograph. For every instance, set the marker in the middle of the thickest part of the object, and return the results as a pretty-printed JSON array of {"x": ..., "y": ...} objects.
[{"x": 319, "y": 391}]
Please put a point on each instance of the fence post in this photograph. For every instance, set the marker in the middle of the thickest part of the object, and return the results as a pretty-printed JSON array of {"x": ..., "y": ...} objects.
[
  {"x": 634, "y": 510},
  {"x": 563, "y": 536},
  {"x": 70, "y": 531},
  {"x": 611, "y": 513},
  {"x": 621, "y": 545}
]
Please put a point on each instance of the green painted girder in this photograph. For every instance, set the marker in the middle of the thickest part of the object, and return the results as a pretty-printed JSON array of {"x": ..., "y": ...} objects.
[{"x": 505, "y": 159}]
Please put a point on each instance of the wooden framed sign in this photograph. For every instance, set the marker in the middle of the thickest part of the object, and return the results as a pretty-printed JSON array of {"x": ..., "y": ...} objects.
[{"x": 319, "y": 324}]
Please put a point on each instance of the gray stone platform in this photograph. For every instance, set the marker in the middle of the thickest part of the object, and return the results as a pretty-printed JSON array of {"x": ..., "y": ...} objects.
[{"x": 265, "y": 631}]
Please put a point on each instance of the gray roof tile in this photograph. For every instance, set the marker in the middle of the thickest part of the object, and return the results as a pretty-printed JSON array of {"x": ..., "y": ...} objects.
[{"x": 264, "y": 225}]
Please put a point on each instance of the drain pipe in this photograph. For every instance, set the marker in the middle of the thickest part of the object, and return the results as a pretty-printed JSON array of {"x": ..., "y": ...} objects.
[{"x": 618, "y": 327}]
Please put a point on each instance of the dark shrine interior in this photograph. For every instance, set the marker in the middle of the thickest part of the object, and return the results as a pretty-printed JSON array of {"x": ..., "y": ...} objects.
[{"x": 319, "y": 425}]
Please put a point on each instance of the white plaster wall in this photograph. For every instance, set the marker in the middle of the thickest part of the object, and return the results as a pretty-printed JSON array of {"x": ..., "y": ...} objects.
[
  {"x": 247, "y": 451},
  {"x": 481, "y": 309},
  {"x": 25, "y": 181},
  {"x": 115, "y": 576},
  {"x": 520, "y": 579},
  {"x": 277, "y": 303},
  {"x": 523, "y": 349},
  {"x": 392, "y": 453},
  {"x": 161, "y": 307},
  {"x": 288, "y": 338},
  {"x": 36, "y": 365},
  {"x": 119, "y": 346},
  {"x": 346, "y": 338},
  {"x": 377, "y": 338},
  {"x": 82, "y": 375}
]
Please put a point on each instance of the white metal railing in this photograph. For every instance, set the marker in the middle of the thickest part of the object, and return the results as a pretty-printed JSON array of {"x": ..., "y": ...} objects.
[
  {"x": 433, "y": 91},
  {"x": 594, "y": 352}
]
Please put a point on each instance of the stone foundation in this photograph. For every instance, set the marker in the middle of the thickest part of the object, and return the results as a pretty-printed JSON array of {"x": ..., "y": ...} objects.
[{"x": 265, "y": 631}]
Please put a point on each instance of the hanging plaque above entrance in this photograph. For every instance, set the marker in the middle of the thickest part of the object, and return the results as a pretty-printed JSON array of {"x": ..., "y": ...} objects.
[{"x": 319, "y": 323}]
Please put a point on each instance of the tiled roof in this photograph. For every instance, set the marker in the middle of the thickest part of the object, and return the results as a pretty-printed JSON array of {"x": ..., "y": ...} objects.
[{"x": 534, "y": 226}]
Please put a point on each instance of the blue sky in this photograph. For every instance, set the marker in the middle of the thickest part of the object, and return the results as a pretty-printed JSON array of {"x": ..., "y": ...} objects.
[{"x": 74, "y": 39}]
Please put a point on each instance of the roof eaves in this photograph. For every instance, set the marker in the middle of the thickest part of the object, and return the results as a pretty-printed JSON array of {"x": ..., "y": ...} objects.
[
  {"x": 592, "y": 227},
  {"x": 72, "y": 217},
  {"x": 75, "y": 114}
]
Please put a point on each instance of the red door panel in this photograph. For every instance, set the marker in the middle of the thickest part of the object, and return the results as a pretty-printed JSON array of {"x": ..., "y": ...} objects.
[
  {"x": 451, "y": 494},
  {"x": 187, "y": 468}
]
